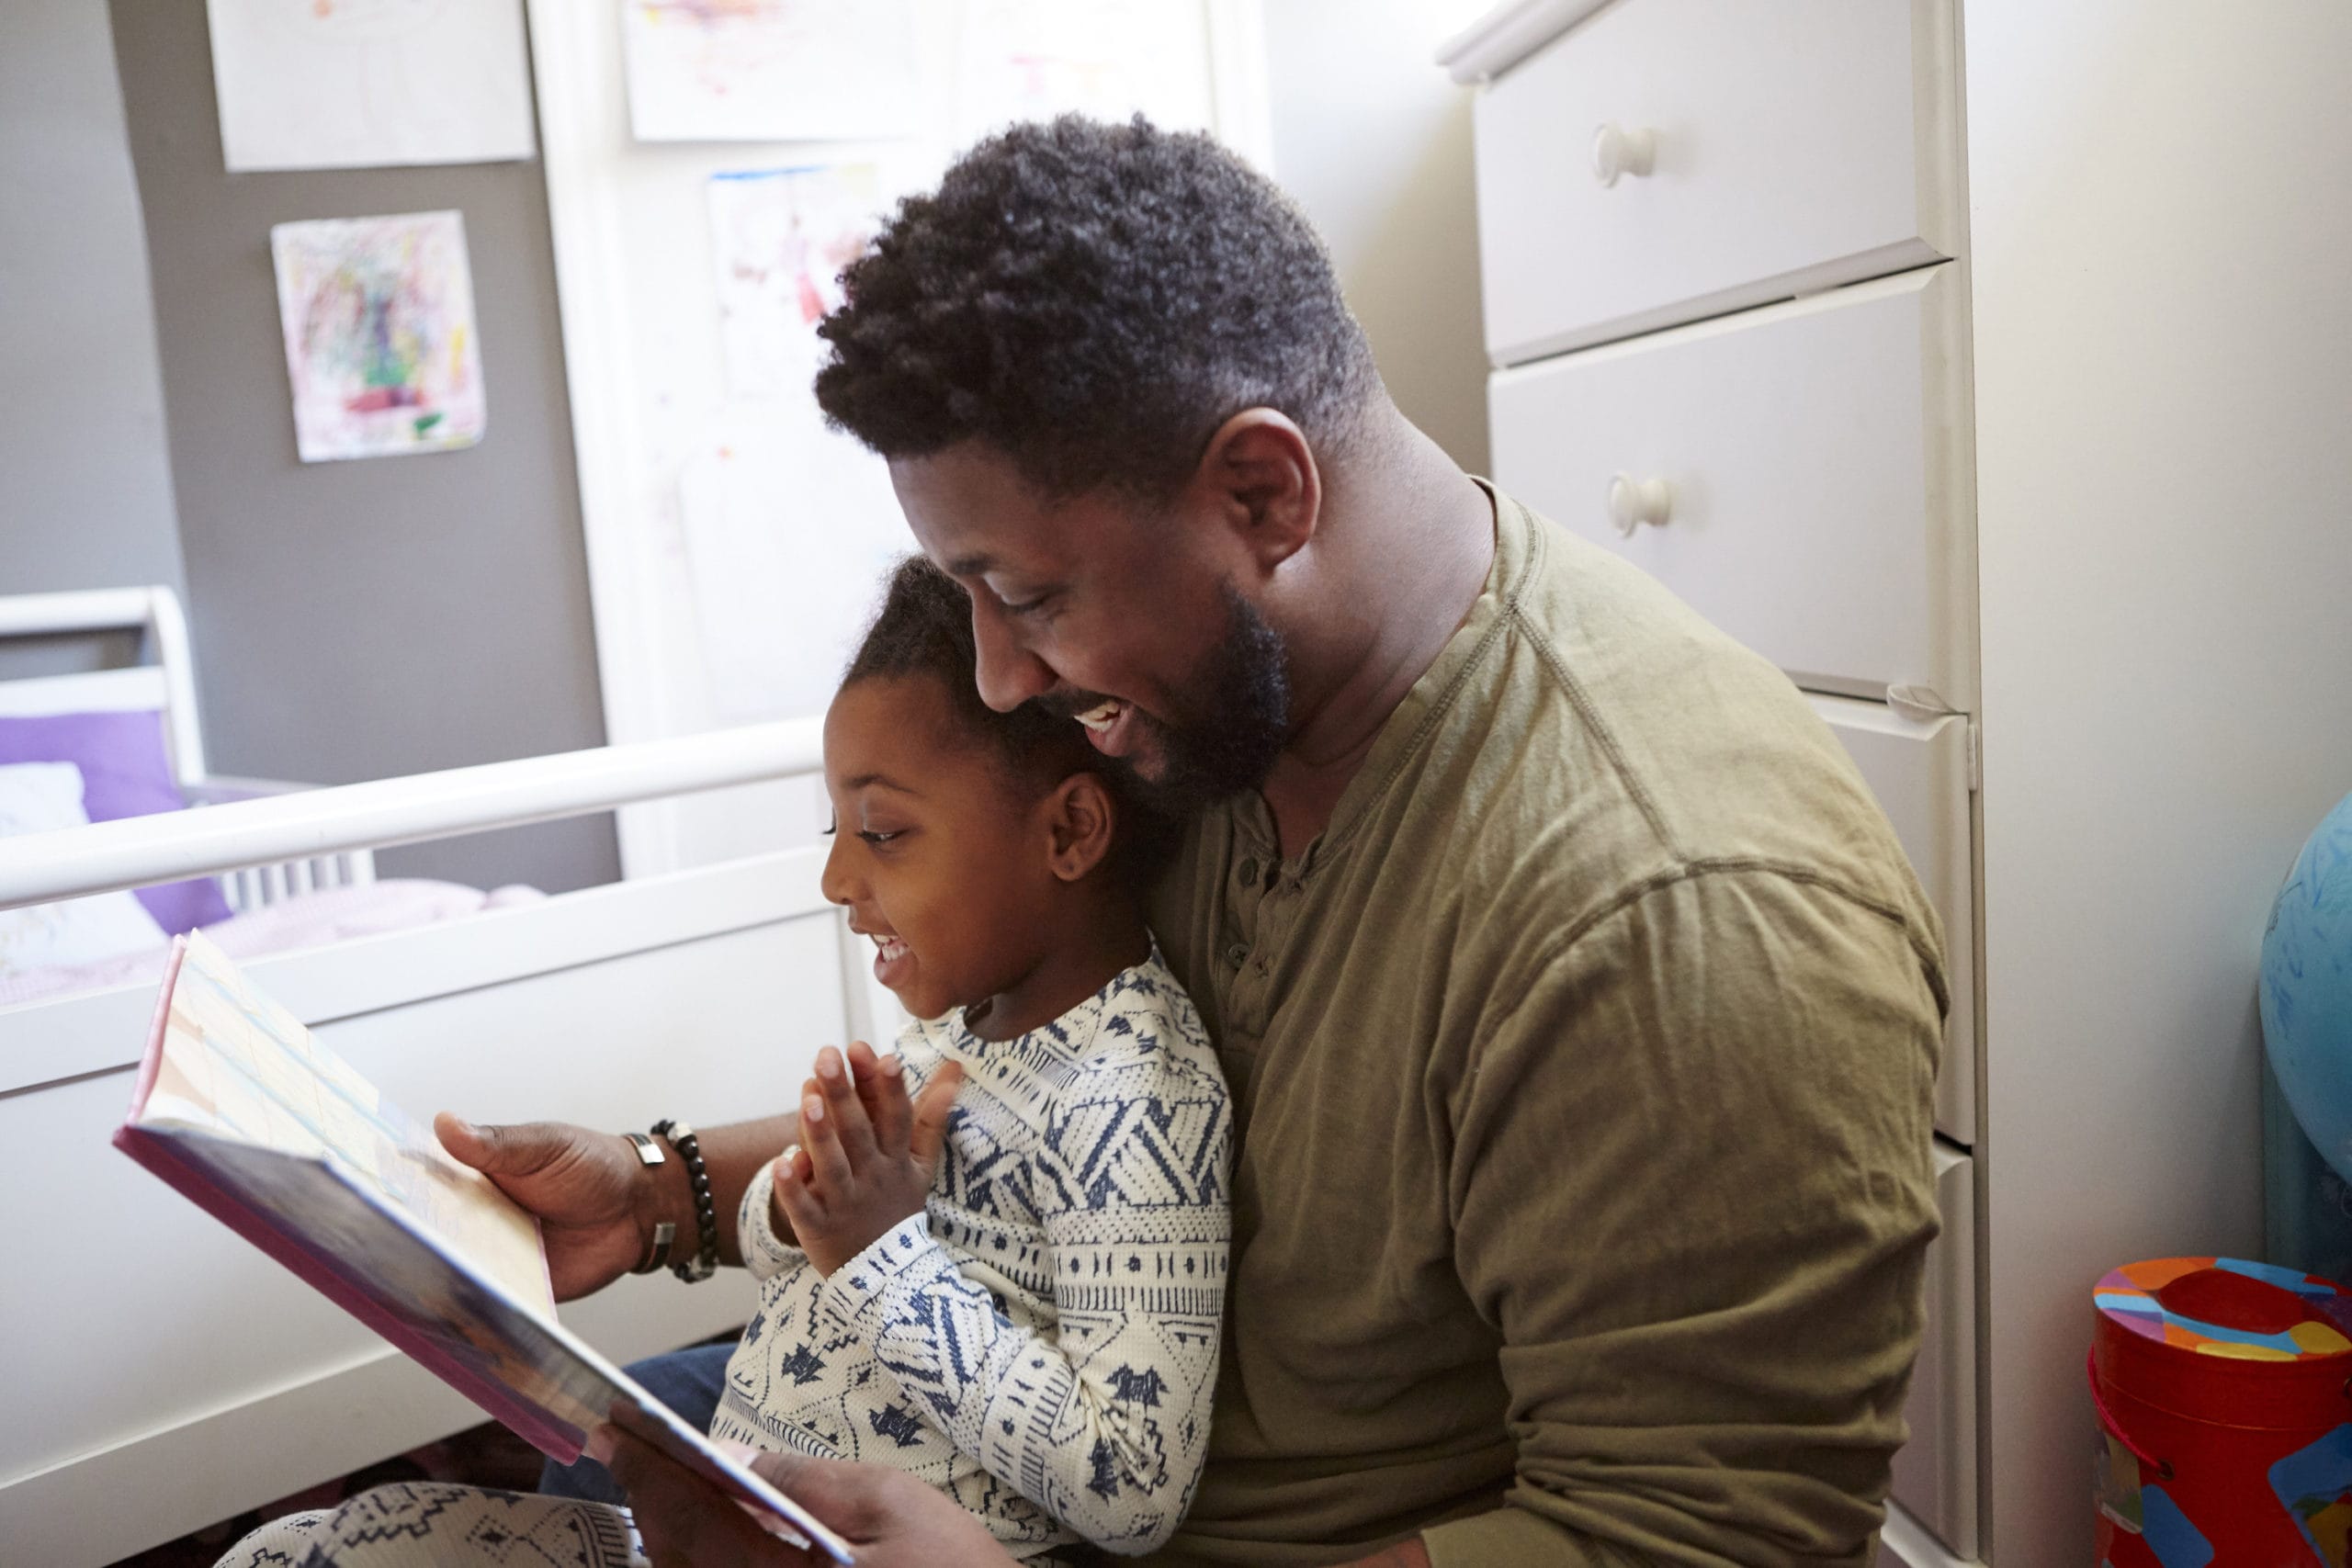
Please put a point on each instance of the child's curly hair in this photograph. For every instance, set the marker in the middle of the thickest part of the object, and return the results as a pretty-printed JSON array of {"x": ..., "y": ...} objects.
[{"x": 924, "y": 629}]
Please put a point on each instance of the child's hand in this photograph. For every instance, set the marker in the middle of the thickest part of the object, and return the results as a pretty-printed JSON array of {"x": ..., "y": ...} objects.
[{"x": 867, "y": 1154}]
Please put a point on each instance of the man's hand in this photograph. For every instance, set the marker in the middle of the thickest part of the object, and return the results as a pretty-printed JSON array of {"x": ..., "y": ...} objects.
[
  {"x": 889, "y": 1517},
  {"x": 892, "y": 1519},
  {"x": 867, "y": 1154},
  {"x": 584, "y": 1187}
]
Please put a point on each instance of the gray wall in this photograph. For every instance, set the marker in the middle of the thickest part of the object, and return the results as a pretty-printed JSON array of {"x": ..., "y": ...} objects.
[
  {"x": 1373, "y": 140},
  {"x": 389, "y": 615},
  {"x": 86, "y": 483}
]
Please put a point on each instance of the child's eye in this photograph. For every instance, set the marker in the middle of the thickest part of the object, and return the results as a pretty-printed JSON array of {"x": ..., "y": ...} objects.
[{"x": 875, "y": 838}]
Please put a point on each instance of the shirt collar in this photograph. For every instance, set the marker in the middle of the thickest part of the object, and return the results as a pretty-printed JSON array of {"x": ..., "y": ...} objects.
[{"x": 950, "y": 1031}]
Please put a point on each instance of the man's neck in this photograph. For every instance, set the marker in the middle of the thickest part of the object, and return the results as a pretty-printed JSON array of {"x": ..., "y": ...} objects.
[{"x": 1409, "y": 556}]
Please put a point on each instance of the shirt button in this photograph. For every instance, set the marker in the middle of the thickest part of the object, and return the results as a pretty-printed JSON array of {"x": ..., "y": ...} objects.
[
  {"x": 1236, "y": 954},
  {"x": 1248, "y": 870}
]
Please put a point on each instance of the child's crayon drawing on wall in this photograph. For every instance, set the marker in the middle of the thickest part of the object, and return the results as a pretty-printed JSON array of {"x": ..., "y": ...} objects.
[{"x": 380, "y": 346}]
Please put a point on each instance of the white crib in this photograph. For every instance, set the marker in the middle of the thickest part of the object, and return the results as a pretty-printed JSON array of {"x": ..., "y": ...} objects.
[
  {"x": 161, "y": 1374},
  {"x": 165, "y": 685}
]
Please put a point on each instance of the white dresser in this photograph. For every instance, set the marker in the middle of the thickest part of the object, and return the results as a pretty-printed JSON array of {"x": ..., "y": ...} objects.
[
  {"x": 2045, "y": 482},
  {"x": 1724, "y": 254}
]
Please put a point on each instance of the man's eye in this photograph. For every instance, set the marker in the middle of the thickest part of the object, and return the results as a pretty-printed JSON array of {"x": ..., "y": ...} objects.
[{"x": 1026, "y": 606}]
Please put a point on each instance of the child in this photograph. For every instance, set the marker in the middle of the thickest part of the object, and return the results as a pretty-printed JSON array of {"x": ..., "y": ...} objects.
[{"x": 1019, "y": 1298}]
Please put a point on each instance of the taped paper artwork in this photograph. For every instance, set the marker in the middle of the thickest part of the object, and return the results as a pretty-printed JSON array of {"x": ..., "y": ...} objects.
[
  {"x": 780, "y": 239},
  {"x": 379, "y": 317},
  {"x": 362, "y": 83},
  {"x": 770, "y": 70},
  {"x": 1019, "y": 60}
]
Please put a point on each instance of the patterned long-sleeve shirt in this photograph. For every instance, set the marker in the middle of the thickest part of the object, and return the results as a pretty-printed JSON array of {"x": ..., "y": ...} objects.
[{"x": 1042, "y": 1341}]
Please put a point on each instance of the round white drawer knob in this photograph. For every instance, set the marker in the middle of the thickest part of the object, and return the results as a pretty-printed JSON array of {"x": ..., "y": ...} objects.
[
  {"x": 1617, "y": 151},
  {"x": 1633, "y": 503}
]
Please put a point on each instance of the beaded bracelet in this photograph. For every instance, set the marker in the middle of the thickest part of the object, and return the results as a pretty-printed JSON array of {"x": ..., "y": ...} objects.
[{"x": 705, "y": 1259}]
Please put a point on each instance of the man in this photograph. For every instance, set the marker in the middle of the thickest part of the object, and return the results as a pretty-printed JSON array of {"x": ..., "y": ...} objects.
[{"x": 1580, "y": 1011}]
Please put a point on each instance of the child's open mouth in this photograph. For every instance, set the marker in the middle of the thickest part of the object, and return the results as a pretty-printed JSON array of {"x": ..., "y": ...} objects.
[{"x": 889, "y": 956}]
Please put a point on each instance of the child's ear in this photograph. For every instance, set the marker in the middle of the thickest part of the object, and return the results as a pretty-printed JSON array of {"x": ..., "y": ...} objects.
[{"x": 1082, "y": 820}]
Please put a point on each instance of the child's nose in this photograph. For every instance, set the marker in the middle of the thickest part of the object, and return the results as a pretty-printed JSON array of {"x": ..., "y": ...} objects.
[{"x": 835, "y": 883}]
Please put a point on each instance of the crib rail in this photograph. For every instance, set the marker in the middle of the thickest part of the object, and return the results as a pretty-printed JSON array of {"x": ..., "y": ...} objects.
[
  {"x": 258, "y": 886},
  {"x": 139, "y": 852}
]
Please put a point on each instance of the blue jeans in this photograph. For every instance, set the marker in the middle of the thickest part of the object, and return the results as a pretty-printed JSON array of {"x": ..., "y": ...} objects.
[{"x": 689, "y": 1382}]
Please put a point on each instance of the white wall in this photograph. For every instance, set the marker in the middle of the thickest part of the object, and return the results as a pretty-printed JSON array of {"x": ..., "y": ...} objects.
[
  {"x": 2162, "y": 229},
  {"x": 1374, "y": 139}
]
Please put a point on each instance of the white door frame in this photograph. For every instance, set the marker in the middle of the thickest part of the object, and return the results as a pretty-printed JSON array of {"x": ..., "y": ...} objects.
[{"x": 584, "y": 129}]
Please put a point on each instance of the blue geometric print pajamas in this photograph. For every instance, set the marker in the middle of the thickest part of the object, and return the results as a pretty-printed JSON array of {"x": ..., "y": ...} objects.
[{"x": 431, "y": 1524}]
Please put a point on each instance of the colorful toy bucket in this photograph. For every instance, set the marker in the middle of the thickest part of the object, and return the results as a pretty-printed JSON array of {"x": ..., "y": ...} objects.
[{"x": 2225, "y": 1391}]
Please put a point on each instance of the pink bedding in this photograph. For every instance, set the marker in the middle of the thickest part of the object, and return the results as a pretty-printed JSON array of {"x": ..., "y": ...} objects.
[{"x": 311, "y": 919}]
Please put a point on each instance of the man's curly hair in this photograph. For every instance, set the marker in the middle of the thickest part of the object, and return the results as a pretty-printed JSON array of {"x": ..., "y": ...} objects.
[{"x": 1092, "y": 300}]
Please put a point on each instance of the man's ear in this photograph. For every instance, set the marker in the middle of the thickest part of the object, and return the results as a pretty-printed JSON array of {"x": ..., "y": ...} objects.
[
  {"x": 1259, "y": 475},
  {"x": 1081, "y": 821}
]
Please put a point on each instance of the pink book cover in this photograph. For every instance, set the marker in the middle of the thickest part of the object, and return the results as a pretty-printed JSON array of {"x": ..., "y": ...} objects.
[{"x": 243, "y": 1112}]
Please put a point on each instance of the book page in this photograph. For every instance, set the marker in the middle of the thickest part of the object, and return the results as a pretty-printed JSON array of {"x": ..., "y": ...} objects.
[{"x": 237, "y": 1064}]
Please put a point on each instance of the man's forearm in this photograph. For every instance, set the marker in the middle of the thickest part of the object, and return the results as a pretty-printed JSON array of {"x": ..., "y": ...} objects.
[
  {"x": 1406, "y": 1554},
  {"x": 732, "y": 1156}
]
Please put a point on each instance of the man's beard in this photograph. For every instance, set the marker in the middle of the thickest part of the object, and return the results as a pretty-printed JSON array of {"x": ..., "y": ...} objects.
[{"x": 1239, "y": 701}]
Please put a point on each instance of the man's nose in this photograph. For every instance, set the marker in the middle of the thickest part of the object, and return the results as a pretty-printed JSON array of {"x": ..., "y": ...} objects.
[{"x": 1009, "y": 674}]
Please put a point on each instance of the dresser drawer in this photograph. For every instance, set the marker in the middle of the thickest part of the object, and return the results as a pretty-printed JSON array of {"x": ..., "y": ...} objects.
[
  {"x": 1919, "y": 773},
  {"x": 1796, "y": 146},
  {"x": 1935, "y": 1473},
  {"x": 1797, "y": 474}
]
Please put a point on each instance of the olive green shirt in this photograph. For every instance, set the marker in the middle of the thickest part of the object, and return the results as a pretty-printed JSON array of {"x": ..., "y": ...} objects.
[{"x": 1583, "y": 1070}]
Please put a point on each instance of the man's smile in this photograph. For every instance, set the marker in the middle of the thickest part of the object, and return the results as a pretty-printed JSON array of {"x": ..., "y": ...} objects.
[{"x": 1111, "y": 726}]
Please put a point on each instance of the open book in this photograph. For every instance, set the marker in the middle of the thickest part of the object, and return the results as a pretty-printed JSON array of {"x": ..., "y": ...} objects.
[{"x": 287, "y": 1144}]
